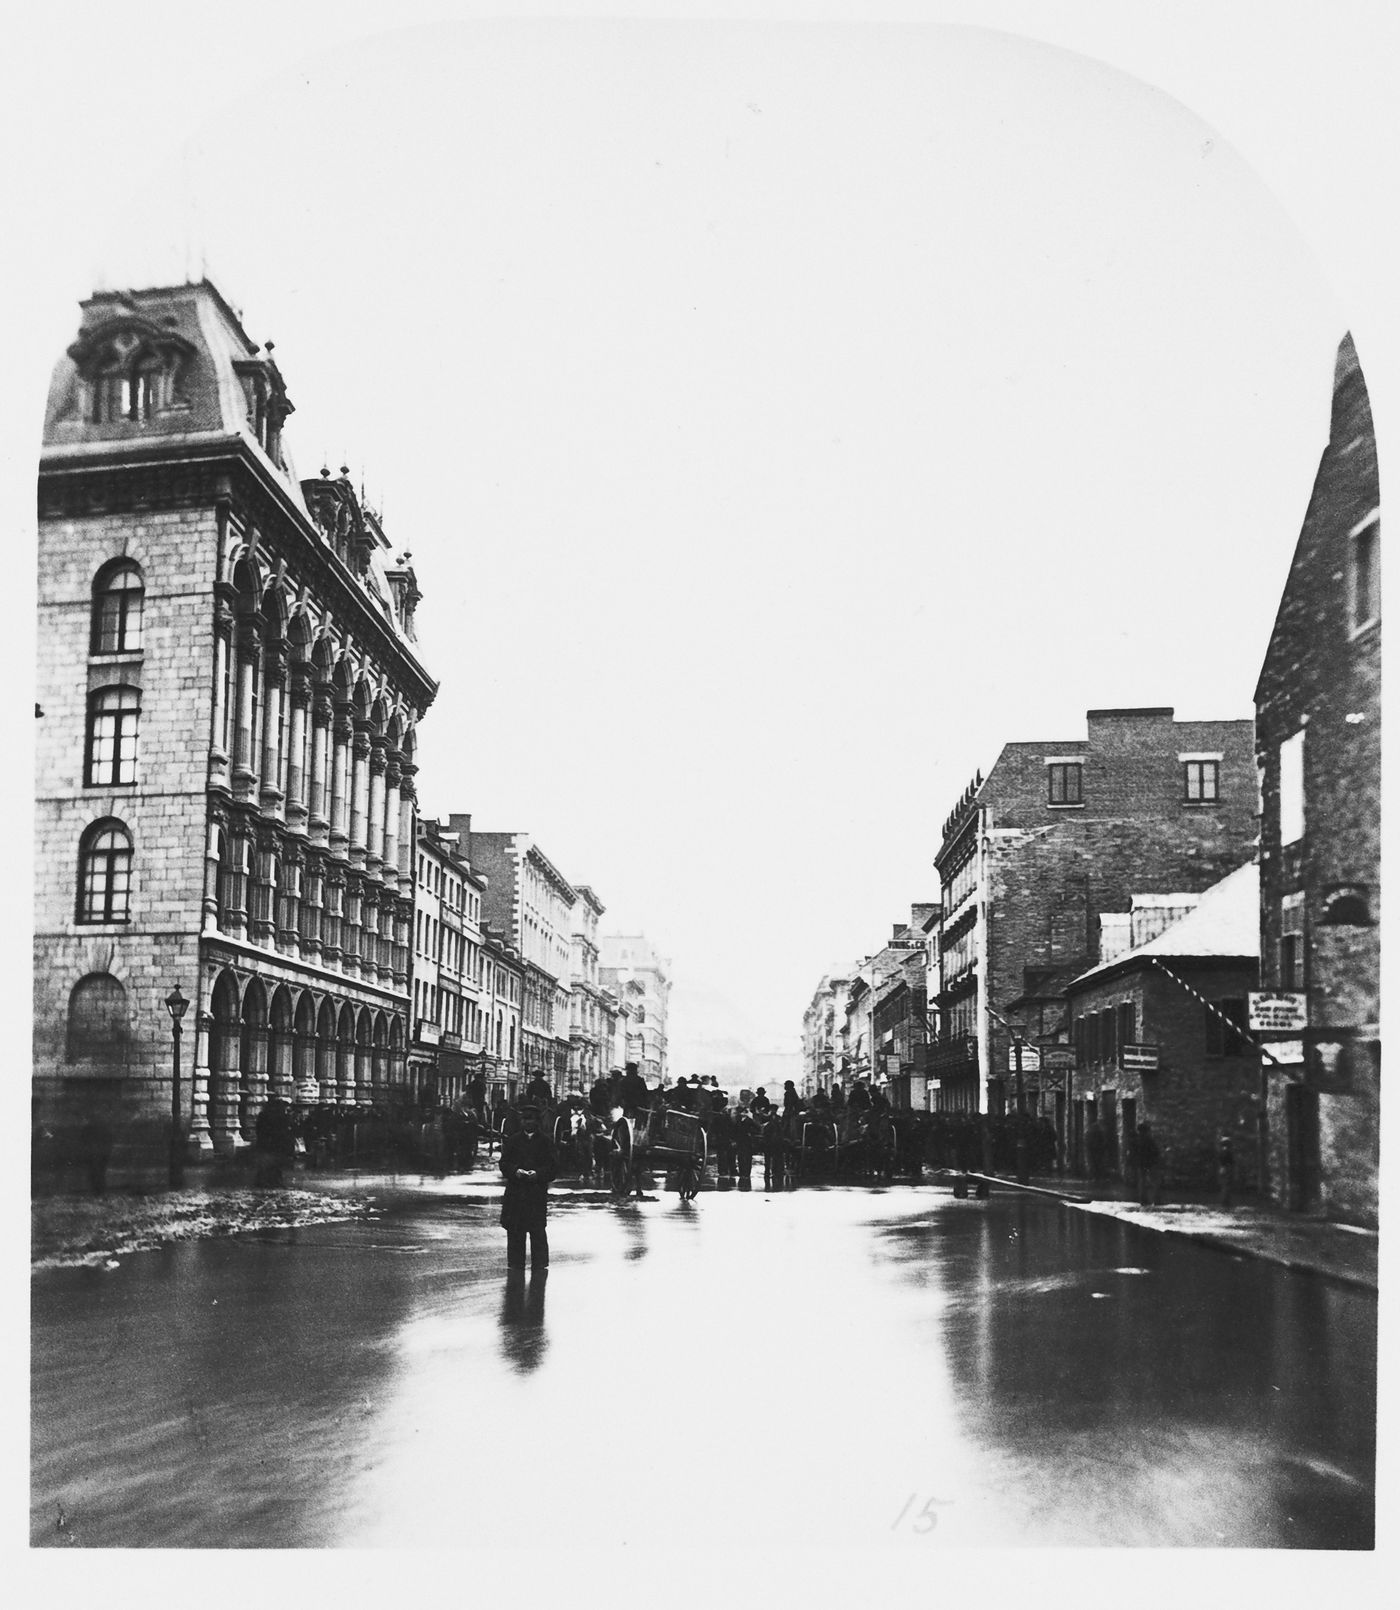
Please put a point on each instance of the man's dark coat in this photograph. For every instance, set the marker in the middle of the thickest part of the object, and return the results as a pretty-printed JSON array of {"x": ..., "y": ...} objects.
[{"x": 526, "y": 1203}]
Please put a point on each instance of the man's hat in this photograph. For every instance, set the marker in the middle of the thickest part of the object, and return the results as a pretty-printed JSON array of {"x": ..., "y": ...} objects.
[{"x": 530, "y": 1111}]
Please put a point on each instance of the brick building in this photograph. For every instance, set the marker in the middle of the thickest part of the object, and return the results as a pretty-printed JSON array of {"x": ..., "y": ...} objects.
[
  {"x": 228, "y": 696},
  {"x": 1150, "y": 999},
  {"x": 1318, "y": 732},
  {"x": 1057, "y": 834}
]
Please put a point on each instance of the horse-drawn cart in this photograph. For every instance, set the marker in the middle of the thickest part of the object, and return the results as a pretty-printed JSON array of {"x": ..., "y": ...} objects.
[{"x": 667, "y": 1140}]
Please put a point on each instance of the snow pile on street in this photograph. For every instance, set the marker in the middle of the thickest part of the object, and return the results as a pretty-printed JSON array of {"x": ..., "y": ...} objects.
[
  {"x": 72, "y": 1231},
  {"x": 1186, "y": 1218}
]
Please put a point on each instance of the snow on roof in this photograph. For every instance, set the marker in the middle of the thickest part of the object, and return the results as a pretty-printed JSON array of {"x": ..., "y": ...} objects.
[{"x": 1225, "y": 923}]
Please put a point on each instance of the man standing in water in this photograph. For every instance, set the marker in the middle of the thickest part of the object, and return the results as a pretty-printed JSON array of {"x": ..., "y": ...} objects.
[{"x": 529, "y": 1164}]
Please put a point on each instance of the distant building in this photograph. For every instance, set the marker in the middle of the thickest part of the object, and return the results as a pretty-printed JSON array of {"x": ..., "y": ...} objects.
[
  {"x": 878, "y": 1032},
  {"x": 1318, "y": 731},
  {"x": 631, "y": 959},
  {"x": 447, "y": 1024},
  {"x": 531, "y": 902},
  {"x": 1057, "y": 834},
  {"x": 1157, "y": 1035},
  {"x": 228, "y": 694},
  {"x": 502, "y": 1002},
  {"x": 613, "y": 1015},
  {"x": 586, "y": 1026},
  {"x": 821, "y": 1034}
]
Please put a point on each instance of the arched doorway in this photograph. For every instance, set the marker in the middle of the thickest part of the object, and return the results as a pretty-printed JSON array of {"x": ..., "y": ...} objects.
[
  {"x": 345, "y": 1056},
  {"x": 326, "y": 1071},
  {"x": 252, "y": 1057},
  {"x": 225, "y": 1049},
  {"x": 279, "y": 1045},
  {"x": 364, "y": 1068},
  {"x": 304, "y": 1049},
  {"x": 379, "y": 1058}
]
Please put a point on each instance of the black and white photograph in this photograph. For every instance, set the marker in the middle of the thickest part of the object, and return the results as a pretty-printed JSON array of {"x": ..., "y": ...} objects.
[{"x": 707, "y": 815}]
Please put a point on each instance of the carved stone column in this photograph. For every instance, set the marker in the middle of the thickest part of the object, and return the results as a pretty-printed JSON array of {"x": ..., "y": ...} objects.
[
  {"x": 199, "y": 1085},
  {"x": 254, "y": 1086},
  {"x": 219, "y": 768},
  {"x": 342, "y": 732},
  {"x": 407, "y": 797},
  {"x": 374, "y": 838},
  {"x": 271, "y": 796},
  {"x": 210, "y": 909},
  {"x": 359, "y": 794},
  {"x": 297, "y": 781},
  {"x": 319, "y": 789},
  {"x": 224, "y": 1080},
  {"x": 245, "y": 758},
  {"x": 389, "y": 867}
]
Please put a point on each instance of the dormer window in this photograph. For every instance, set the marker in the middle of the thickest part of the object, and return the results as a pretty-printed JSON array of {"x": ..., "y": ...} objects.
[
  {"x": 132, "y": 370},
  {"x": 267, "y": 402},
  {"x": 130, "y": 387}
]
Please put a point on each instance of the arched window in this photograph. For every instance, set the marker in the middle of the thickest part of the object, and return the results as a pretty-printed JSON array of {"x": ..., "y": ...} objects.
[
  {"x": 113, "y": 716},
  {"x": 129, "y": 384},
  {"x": 104, "y": 873},
  {"x": 118, "y": 594},
  {"x": 97, "y": 1019}
]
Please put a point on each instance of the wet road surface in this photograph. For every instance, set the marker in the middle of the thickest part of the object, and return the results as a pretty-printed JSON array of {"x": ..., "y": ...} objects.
[{"x": 823, "y": 1368}]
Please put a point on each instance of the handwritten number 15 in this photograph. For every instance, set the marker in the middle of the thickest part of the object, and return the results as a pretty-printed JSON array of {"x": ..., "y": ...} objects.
[{"x": 925, "y": 1520}]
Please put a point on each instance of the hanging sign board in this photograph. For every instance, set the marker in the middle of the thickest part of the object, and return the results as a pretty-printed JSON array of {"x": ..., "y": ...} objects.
[
  {"x": 1140, "y": 1058},
  {"x": 1030, "y": 1059},
  {"x": 1285, "y": 1013},
  {"x": 1057, "y": 1057}
]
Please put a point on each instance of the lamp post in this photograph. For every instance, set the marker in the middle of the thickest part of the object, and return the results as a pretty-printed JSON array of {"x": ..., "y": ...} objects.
[{"x": 176, "y": 1005}]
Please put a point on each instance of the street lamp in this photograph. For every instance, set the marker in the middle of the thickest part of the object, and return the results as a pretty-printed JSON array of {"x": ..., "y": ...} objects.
[{"x": 176, "y": 1005}]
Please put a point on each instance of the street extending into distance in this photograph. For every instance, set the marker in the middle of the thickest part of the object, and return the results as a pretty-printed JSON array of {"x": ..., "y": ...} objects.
[{"x": 820, "y": 1368}]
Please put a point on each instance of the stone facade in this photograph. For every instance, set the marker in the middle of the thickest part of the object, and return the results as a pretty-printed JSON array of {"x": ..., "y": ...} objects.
[
  {"x": 502, "y": 1006},
  {"x": 1056, "y": 835},
  {"x": 446, "y": 1023},
  {"x": 529, "y": 900},
  {"x": 589, "y": 1051},
  {"x": 230, "y": 697},
  {"x": 631, "y": 959},
  {"x": 1318, "y": 730}
]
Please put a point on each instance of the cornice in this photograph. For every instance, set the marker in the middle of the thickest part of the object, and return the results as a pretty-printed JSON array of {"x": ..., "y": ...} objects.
[{"x": 202, "y": 455}]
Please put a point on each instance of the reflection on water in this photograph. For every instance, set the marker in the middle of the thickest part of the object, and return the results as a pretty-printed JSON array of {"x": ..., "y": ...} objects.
[
  {"x": 915, "y": 1371},
  {"x": 523, "y": 1341},
  {"x": 1151, "y": 1391}
]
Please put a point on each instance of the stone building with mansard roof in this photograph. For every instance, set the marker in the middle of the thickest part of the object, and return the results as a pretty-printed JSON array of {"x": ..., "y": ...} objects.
[{"x": 228, "y": 696}]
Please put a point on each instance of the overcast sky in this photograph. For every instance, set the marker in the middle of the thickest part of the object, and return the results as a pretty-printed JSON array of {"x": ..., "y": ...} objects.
[{"x": 781, "y": 419}]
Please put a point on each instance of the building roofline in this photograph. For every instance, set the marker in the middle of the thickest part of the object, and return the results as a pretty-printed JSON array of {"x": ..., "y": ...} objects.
[{"x": 213, "y": 447}]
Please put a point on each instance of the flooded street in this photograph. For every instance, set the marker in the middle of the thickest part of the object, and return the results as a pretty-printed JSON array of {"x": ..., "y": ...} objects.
[{"x": 825, "y": 1368}]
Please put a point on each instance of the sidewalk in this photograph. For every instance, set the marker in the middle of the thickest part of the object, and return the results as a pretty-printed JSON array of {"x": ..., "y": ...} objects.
[{"x": 1299, "y": 1241}]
